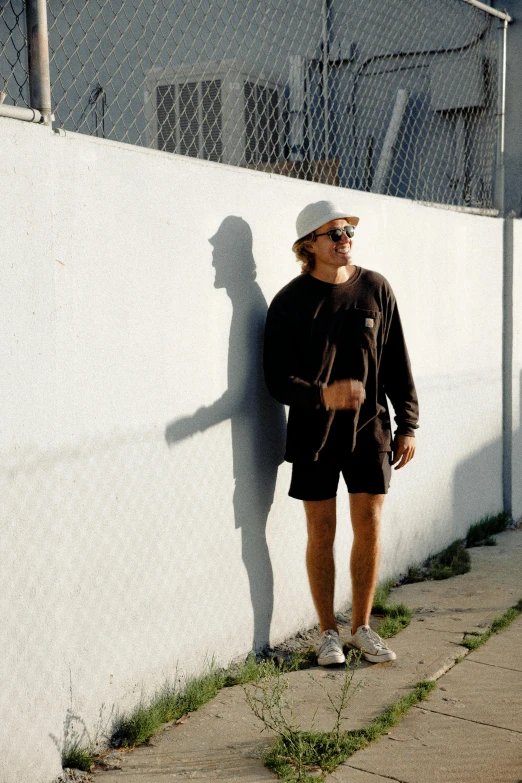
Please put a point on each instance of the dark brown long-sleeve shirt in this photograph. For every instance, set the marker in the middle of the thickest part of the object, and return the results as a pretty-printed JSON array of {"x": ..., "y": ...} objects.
[{"x": 317, "y": 333}]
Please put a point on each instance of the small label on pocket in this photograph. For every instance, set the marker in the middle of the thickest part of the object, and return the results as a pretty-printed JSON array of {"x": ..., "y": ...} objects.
[{"x": 369, "y": 322}]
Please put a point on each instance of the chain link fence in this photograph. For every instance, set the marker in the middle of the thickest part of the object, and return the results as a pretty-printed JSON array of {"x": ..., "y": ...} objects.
[
  {"x": 386, "y": 96},
  {"x": 14, "y": 76}
]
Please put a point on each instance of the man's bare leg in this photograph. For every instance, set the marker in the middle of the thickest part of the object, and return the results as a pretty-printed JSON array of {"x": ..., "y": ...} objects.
[
  {"x": 365, "y": 511},
  {"x": 321, "y": 523}
]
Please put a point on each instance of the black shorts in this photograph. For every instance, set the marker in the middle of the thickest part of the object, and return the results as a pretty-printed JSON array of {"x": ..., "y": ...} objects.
[{"x": 362, "y": 471}]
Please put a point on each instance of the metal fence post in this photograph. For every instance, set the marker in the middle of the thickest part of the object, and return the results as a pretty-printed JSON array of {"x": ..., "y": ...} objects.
[
  {"x": 38, "y": 46},
  {"x": 507, "y": 364},
  {"x": 501, "y": 117}
]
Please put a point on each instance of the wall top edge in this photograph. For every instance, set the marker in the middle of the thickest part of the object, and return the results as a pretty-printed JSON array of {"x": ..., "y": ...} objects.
[
  {"x": 455, "y": 208},
  {"x": 60, "y": 133}
]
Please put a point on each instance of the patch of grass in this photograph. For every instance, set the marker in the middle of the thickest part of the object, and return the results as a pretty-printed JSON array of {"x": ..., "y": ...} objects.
[
  {"x": 474, "y": 640},
  {"x": 297, "y": 660},
  {"x": 499, "y": 623},
  {"x": 239, "y": 673},
  {"x": 137, "y": 727},
  {"x": 454, "y": 559},
  {"x": 382, "y": 593},
  {"x": 171, "y": 703},
  {"x": 414, "y": 573},
  {"x": 167, "y": 705},
  {"x": 309, "y": 755},
  {"x": 451, "y": 561},
  {"x": 318, "y": 754},
  {"x": 395, "y": 616},
  {"x": 77, "y": 757},
  {"x": 481, "y": 533},
  {"x": 391, "y": 626}
]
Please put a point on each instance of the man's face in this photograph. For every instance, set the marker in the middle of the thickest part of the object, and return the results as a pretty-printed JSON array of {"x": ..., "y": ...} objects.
[{"x": 329, "y": 253}]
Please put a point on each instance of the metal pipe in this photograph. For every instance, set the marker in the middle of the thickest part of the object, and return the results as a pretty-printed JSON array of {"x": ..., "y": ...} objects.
[
  {"x": 38, "y": 45},
  {"x": 19, "y": 113},
  {"x": 489, "y": 10},
  {"x": 326, "y": 47},
  {"x": 507, "y": 364},
  {"x": 501, "y": 114},
  {"x": 399, "y": 107}
]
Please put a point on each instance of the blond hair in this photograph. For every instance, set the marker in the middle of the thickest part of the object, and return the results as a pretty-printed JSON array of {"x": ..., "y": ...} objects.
[{"x": 303, "y": 254}]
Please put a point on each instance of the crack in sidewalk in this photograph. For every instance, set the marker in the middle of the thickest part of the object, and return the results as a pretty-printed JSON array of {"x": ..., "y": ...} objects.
[
  {"x": 493, "y": 665},
  {"x": 467, "y": 720},
  {"x": 375, "y": 774}
]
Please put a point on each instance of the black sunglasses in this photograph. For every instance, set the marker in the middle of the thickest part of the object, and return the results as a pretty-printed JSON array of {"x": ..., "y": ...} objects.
[{"x": 336, "y": 233}]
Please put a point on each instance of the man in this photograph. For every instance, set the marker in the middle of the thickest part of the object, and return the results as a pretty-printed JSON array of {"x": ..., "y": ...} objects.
[{"x": 334, "y": 350}]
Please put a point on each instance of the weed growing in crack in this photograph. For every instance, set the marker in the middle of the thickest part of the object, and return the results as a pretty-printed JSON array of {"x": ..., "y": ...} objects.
[
  {"x": 339, "y": 705},
  {"x": 299, "y": 756},
  {"x": 298, "y": 753},
  {"x": 267, "y": 699},
  {"x": 474, "y": 640}
]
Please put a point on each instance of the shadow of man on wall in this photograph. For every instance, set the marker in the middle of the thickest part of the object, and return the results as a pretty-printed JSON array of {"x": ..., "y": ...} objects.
[
  {"x": 479, "y": 478},
  {"x": 257, "y": 421}
]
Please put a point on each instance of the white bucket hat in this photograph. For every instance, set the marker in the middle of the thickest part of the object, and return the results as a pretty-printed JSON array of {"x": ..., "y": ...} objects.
[{"x": 315, "y": 215}]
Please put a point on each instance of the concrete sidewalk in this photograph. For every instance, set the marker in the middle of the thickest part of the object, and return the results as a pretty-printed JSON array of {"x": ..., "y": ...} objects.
[{"x": 468, "y": 730}]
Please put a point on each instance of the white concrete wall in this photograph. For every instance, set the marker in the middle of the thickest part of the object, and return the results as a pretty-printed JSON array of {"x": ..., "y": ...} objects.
[{"x": 126, "y": 561}]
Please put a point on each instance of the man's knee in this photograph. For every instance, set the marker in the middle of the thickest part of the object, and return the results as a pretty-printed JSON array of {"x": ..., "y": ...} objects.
[
  {"x": 321, "y": 521},
  {"x": 365, "y": 512}
]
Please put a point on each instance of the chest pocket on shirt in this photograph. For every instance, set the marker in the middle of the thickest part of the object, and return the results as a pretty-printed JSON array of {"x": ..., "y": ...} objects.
[
  {"x": 359, "y": 326},
  {"x": 356, "y": 342}
]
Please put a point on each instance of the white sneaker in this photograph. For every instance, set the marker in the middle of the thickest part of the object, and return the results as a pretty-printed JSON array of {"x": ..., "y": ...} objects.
[
  {"x": 374, "y": 649},
  {"x": 330, "y": 649}
]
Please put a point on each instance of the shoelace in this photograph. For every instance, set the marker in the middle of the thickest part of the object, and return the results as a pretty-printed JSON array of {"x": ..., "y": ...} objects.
[
  {"x": 373, "y": 637},
  {"x": 330, "y": 644}
]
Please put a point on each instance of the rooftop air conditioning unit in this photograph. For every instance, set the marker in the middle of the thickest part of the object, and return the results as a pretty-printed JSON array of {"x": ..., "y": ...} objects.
[{"x": 219, "y": 113}]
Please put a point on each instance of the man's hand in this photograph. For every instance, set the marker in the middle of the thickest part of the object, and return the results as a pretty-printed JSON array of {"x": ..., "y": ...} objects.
[
  {"x": 403, "y": 447},
  {"x": 344, "y": 395}
]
